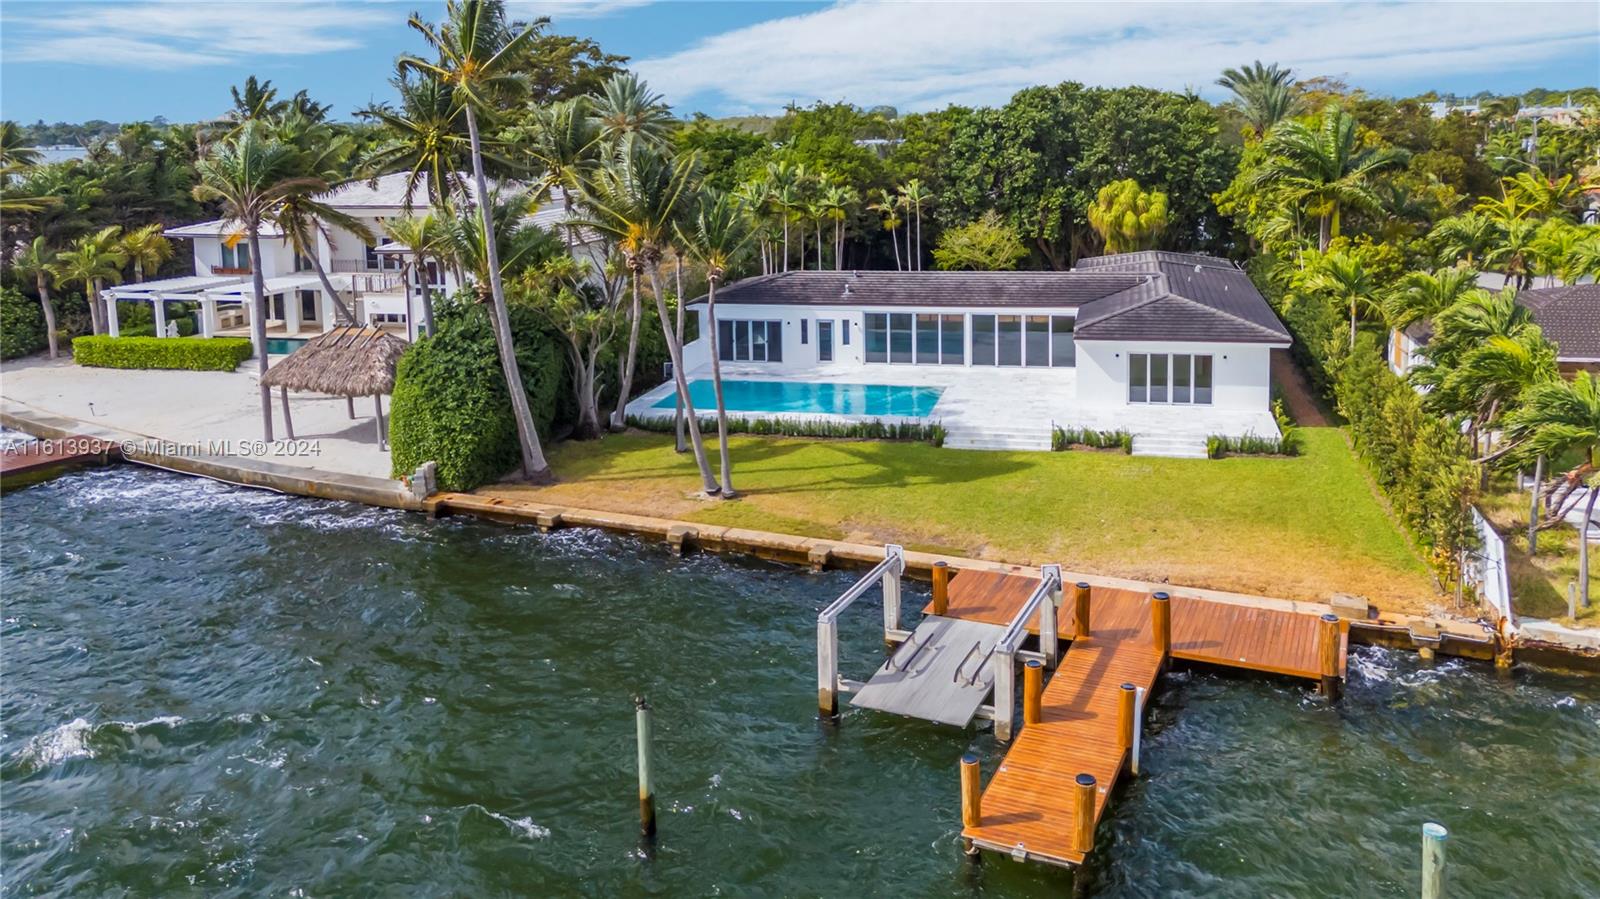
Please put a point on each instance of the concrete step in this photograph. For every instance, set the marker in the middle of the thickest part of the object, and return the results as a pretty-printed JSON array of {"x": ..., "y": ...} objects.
[
  {"x": 988, "y": 441},
  {"x": 1175, "y": 446}
]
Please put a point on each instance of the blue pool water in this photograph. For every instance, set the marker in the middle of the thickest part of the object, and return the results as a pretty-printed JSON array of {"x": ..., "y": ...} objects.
[
  {"x": 282, "y": 346},
  {"x": 812, "y": 398}
]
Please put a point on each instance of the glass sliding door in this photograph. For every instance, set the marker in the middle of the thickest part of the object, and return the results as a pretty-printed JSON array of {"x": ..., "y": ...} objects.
[
  {"x": 1202, "y": 380},
  {"x": 824, "y": 340},
  {"x": 877, "y": 337},
  {"x": 1181, "y": 377},
  {"x": 927, "y": 338},
  {"x": 1009, "y": 342},
  {"x": 1138, "y": 378},
  {"x": 1038, "y": 340},
  {"x": 725, "y": 340},
  {"x": 900, "y": 337},
  {"x": 741, "y": 341},
  {"x": 1063, "y": 352},
  {"x": 1178, "y": 378},
  {"x": 1158, "y": 377},
  {"x": 952, "y": 339},
  {"x": 983, "y": 340}
]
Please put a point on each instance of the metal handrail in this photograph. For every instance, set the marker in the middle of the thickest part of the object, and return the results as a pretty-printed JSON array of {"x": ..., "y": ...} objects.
[
  {"x": 835, "y": 608},
  {"x": 1015, "y": 631}
]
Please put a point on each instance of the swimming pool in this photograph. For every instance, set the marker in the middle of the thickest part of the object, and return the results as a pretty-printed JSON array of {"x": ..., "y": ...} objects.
[
  {"x": 282, "y": 346},
  {"x": 888, "y": 400}
]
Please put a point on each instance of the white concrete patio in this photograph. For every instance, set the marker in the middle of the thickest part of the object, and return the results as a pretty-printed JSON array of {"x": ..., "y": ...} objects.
[{"x": 991, "y": 407}]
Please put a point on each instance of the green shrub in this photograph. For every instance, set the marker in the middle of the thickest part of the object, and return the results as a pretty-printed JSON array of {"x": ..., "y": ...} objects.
[
  {"x": 1067, "y": 438},
  {"x": 1220, "y": 445},
  {"x": 185, "y": 328},
  {"x": 450, "y": 404},
  {"x": 871, "y": 429},
  {"x": 186, "y": 353},
  {"x": 22, "y": 330}
]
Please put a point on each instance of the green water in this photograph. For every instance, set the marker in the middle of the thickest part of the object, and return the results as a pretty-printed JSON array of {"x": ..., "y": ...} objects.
[{"x": 211, "y": 691}]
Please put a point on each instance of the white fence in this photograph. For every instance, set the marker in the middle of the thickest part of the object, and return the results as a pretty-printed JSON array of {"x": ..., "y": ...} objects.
[{"x": 1487, "y": 571}]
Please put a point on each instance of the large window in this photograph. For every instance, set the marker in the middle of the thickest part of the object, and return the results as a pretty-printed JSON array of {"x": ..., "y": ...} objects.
[
  {"x": 927, "y": 338},
  {"x": 1063, "y": 352},
  {"x": 1162, "y": 378},
  {"x": 983, "y": 340},
  {"x": 1010, "y": 340},
  {"x": 877, "y": 337},
  {"x": 747, "y": 341},
  {"x": 1038, "y": 343},
  {"x": 953, "y": 339},
  {"x": 900, "y": 336}
]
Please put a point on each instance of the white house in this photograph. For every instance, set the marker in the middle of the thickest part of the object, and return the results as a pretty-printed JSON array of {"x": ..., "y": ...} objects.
[
  {"x": 1170, "y": 347},
  {"x": 367, "y": 275}
]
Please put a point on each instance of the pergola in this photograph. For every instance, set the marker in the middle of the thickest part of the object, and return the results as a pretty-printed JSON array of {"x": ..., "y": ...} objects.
[{"x": 347, "y": 361}]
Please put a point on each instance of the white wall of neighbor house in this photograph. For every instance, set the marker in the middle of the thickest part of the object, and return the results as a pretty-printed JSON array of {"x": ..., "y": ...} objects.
[
  {"x": 1241, "y": 373},
  {"x": 276, "y": 256}
]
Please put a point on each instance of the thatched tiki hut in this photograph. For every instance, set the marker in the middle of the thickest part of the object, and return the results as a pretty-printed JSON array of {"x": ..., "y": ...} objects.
[{"x": 348, "y": 361}]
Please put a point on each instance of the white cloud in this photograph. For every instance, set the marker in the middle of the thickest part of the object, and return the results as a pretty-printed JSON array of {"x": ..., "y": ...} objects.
[
  {"x": 926, "y": 55},
  {"x": 570, "y": 9},
  {"x": 163, "y": 35}
]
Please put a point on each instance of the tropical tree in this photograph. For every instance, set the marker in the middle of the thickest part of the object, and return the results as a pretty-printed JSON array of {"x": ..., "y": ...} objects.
[
  {"x": 888, "y": 208},
  {"x": 1263, "y": 94},
  {"x": 717, "y": 239},
  {"x": 13, "y": 152},
  {"x": 563, "y": 289},
  {"x": 93, "y": 260},
  {"x": 146, "y": 248},
  {"x": 914, "y": 196},
  {"x": 1324, "y": 169},
  {"x": 1345, "y": 278},
  {"x": 1127, "y": 217},
  {"x": 627, "y": 110},
  {"x": 1514, "y": 252},
  {"x": 426, "y": 137},
  {"x": 755, "y": 200},
  {"x": 251, "y": 173},
  {"x": 306, "y": 221},
  {"x": 35, "y": 260},
  {"x": 422, "y": 235},
  {"x": 1467, "y": 238},
  {"x": 986, "y": 245},
  {"x": 837, "y": 201},
  {"x": 1558, "y": 418},
  {"x": 1422, "y": 295},
  {"x": 563, "y": 146},
  {"x": 786, "y": 196},
  {"x": 1555, "y": 247},
  {"x": 474, "y": 47},
  {"x": 635, "y": 200}
]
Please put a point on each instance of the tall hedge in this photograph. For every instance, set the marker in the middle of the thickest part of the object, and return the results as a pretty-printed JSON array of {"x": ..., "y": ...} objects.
[
  {"x": 185, "y": 353},
  {"x": 450, "y": 403},
  {"x": 22, "y": 330}
]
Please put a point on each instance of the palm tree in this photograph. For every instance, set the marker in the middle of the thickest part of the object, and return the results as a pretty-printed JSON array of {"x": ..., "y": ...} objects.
[
  {"x": 1513, "y": 251},
  {"x": 889, "y": 209},
  {"x": 421, "y": 235},
  {"x": 252, "y": 173},
  {"x": 563, "y": 145},
  {"x": 1264, "y": 94},
  {"x": 146, "y": 247},
  {"x": 1584, "y": 261},
  {"x": 1467, "y": 238},
  {"x": 635, "y": 200},
  {"x": 475, "y": 49},
  {"x": 1324, "y": 169},
  {"x": 12, "y": 150},
  {"x": 783, "y": 181},
  {"x": 627, "y": 110},
  {"x": 717, "y": 240},
  {"x": 1422, "y": 295},
  {"x": 300, "y": 215},
  {"x": 1554, "y": 247},
  {"x": 1554, "y": 419},
  {"x": 1344, "y": 278},
  {"x": 93, "y": 260},
  {"x": 914, "y": 196},
  {"x": 836, "y": 202},
  {"x": 426, "y": 137},
  {"x": 816, "y": 211},
  {"x": 755, "y": 199},
  {"x": 37, "y": 261}
]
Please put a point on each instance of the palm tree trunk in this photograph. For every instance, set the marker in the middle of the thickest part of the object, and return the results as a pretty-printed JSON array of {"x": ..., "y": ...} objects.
[
  {"x": 919, "y": 237},
  {"x": 91, "y": 293},
  {"x": 786, "y": 243},
  {"x": 49, "y": 314},
  {"x": 910, "y": 265},
  {"x": 427, "y": 297},
  {"x": 1583, "y": 543},
  {"x": 1352, "y": 322},
  {"x": 258, "y": 329},
  {"x": 716, "y": 383},
  {"x": 819, "y": 245},
  {"x": 618, "y": 417},
  {"x": 534, "y": 466},
  {"x": 1533, "y": 507},
  {"x": 1323, "y": 235},
  {"x": 894, "y": 241},
  {"x": 675, "y": 350},
  {"x": 677, "y": 424},
  {"x": 138, "y": 270},
  {"x": 338, "y": 304}
]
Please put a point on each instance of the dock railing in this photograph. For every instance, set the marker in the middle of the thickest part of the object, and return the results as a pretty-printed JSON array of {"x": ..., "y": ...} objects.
[
  {"x": 1041, "y": 604},
  {"x": 888, "y": 574}
]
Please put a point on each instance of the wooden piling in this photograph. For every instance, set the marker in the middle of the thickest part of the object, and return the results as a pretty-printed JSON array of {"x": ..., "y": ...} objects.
[
  {"x": 1161, "y": 623},
  {"x": 1083, "y": 812},
  {"x": 1328, "y": 655},
  {"x": 1127, "y": 710},
  {"x": 941, "y": 587},
  {"x": 1080, "y": 605},
  {"x": 647, "y": 790},
  {"x": 1433, "y": 840},
  {"x": 1032, "y": 692},
  {"x": 350, "y": 407},
  {"x": 971, "y": 792}
]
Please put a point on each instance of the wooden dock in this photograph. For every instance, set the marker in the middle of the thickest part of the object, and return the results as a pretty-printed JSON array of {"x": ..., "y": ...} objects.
[
  {"x": 1028, "y": 809},
  {"x": 45, "y": 459}
]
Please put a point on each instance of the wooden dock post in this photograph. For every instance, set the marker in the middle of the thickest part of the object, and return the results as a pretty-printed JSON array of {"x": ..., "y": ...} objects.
[
  {"x": 1032, "y": 692},
  {"x": 971, "y": 799},
  {"x": 1083, "y": 811},
  {"x": 941, "y": 587},
  {"x": 1127, "y": 712},
  {"x": 647, "y": 790},
  {"x": 1328, "y": 655},
  {"x": 1433, "y": 840},
  {"x": 1161, "y": 624},
  {"x": 1080, "y": 605}
]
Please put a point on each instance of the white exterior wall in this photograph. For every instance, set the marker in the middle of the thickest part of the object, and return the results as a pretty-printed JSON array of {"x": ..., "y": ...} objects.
[
  {"x": 1241, "y": 372},
  {"x": 276, "y": 256}
]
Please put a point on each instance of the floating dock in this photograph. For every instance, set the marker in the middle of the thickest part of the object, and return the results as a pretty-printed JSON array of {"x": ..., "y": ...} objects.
[
  {"x": 42, "y": 460},
  {"x": 1079, "y": 732}
]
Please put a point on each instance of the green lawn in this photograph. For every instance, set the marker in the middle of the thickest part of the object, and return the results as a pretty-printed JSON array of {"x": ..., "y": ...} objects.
[
  {"x": 1304, "y": 527},
  {"x": 1539, "y": 583}
]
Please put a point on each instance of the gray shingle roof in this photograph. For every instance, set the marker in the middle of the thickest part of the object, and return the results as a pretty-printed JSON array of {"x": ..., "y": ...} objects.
[
  {"x": 928, "y": 289},
  {"x": 1569, "y": 317},
  {"x": 1133, "y": 296}
]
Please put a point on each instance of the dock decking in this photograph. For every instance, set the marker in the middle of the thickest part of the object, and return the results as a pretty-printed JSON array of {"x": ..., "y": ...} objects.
[
  {"x": 44, "y": 459},
  {"x": 1028, "y": 803}
]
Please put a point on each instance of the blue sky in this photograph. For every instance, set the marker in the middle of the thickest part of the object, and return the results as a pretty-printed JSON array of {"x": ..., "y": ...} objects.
[{"x": 136, "y": 59}]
